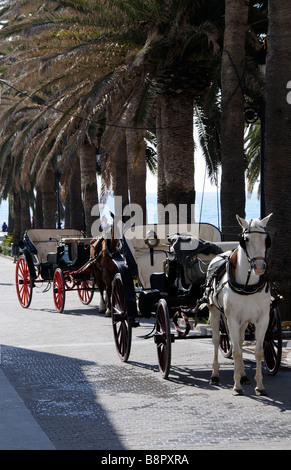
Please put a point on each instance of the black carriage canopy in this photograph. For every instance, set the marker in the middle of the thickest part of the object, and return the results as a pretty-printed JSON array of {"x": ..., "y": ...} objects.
[{"x": 185, "y": 245}]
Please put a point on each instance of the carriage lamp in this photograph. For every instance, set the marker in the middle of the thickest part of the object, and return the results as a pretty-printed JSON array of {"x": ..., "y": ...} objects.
[{"x": 151, "y": 239}]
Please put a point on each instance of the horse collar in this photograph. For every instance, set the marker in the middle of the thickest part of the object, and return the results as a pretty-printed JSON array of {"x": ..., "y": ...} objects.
[{"x": 245, "y": 289}]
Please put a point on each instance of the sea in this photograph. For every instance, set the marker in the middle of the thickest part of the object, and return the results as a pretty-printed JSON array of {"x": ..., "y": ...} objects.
[{"x": 207, "y": 208}]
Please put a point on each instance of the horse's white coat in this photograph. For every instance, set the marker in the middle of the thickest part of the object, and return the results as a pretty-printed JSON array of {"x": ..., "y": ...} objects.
[{"x": 240, "y": 310}]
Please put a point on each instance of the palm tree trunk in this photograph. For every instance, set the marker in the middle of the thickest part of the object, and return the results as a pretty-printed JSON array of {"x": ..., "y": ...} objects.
[
  {"x": 67, "y": 215},
  {"x": 175, "y": 139},
  {"x": 120, "y": 177},
  {"x": 162, "y": 193},
  {"x": 49, "y": 198},
  {"x": 232, "y": 119},
  {"x": 10, "y": 214},
  {"x": 25, "y": 213},
  {"x": 88, "y": 182},
  {"x": 76, "y": 216},
  {"x": 120, "y": 187},
  {"x": 136, "y": 169},
  {"x": 38, "y": 213},
  {"x": 277, "y": 148},
  {"x": 17, "y": 218}
]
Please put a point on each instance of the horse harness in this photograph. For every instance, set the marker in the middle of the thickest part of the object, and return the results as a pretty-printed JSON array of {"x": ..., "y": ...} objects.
[{"x": 228, "y": 265}]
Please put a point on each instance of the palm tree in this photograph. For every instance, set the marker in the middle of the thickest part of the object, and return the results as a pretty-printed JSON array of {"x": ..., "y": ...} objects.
[
  {"x": 176, "y": 167},
  {"x": 232, "y": 117},
  {"x": 169, "y": 35},
  {"x": 80, "y": 93},
  {"x": 277, "y": 147},
  {"x": 18, "y": 126},
  {"x": 174, "y": 56}
]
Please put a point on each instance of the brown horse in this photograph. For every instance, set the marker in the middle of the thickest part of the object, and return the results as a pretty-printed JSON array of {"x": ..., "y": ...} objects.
[{"x": 101, "y": 251}]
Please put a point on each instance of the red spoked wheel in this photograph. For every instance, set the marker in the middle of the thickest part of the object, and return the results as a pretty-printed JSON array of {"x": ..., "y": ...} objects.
[
  {"x": 163, "y": 338},
  {"x": 224, "y": 342},
  {"x": 86, "y": 292},
  {"x": 59, "y": 290},
  {"x": 122, "y": 325},
  {"x": 23, "y": 282}
]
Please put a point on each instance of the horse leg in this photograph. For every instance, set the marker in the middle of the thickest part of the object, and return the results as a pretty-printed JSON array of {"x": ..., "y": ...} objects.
[
  {"x": 100, "y": 284},
  {"x": 259, "y": 353},
  {"x": 214, "y": 322},
  {"x": 244, "y": 378},
  {"x": 236, "y": 334},
  {"x": 108, "y": 305},
  {"x": 102, "y": 306},
  {"x": 108, "y": 299},
  {"x": 109, "y": 277}
]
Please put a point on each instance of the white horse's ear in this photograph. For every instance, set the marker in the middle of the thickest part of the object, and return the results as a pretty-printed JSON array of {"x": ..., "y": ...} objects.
[
  {"x": 264, "y": 221},
  {"x": 243, "y": 223}
]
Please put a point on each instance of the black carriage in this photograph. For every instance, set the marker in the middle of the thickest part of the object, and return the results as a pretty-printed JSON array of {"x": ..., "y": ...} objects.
[
  {"x": 58, "y": 257},
  {"x": 161, "y": 274}
]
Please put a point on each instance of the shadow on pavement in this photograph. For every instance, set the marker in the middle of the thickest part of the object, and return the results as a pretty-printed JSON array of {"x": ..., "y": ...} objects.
[{"x": 59, "y": 396}]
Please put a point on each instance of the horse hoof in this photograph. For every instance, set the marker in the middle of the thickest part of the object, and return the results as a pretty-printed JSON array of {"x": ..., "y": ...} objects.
[
  {"x": 214, "y": 381},
  {"x": 261, "y": 393},
  {"x": 245, "y": 380},
  {"x": 108, "y": 313},
  {"x": 237, "y": 392}
]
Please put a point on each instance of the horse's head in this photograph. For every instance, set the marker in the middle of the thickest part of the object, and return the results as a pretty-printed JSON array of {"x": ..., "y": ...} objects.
[{"x": 255, "y": 241}]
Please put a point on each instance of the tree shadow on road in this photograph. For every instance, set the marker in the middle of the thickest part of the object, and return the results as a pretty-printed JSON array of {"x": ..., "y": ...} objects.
[{"x": 61, "y": 399}]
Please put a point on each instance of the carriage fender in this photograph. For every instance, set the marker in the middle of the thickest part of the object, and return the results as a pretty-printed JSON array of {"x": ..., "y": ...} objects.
[
  {"x": 30, "y": 263},
  {"x": 129, "y": 291}
]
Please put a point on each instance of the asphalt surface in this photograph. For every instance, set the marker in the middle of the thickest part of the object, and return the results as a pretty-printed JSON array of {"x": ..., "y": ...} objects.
[{"x": 63, "y": 387}]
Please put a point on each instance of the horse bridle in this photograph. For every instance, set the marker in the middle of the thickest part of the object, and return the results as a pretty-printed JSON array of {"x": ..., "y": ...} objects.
[{"x": 243, "y": 241}]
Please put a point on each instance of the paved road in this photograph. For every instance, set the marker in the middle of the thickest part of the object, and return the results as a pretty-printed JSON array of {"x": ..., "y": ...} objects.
[{"x": 62, "y": 386}]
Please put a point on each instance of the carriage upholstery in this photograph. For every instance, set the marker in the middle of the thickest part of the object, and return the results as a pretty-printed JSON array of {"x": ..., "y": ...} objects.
[
  {"x": 46, "y": 240},
  {"x": 148, "y": 265}
]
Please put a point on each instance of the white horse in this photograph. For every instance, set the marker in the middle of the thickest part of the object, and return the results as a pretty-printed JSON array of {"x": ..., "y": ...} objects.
[{"x": 242, "y": 294}]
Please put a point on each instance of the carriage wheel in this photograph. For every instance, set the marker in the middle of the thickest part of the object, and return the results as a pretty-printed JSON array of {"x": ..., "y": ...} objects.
[
  {"x": 86, "y": 292},
  {"x": 59, "y": 290},
  {"x": 273, "y": 342},
  {"x": 224, "y": 342},
  {"x": 23, "y": 282},
  {"x": 163, "y": 338},
  {"x": 122, "y": 325}
]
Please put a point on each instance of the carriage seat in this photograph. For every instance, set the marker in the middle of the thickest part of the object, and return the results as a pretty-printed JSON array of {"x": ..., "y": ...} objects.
[
  {"x": 46, "y": 241},
  {"x": 148, "y": 265}
]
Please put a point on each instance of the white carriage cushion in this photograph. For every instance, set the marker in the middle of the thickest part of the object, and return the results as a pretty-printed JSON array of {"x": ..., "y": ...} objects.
[
  {"x": 145, "y": 269},
  {"x": 209, "y": 233},
  {"x": 141, "y": 253},
  {"x": 46, "y": 240}
]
